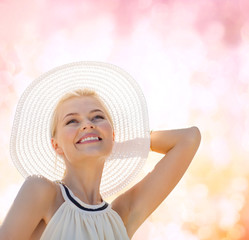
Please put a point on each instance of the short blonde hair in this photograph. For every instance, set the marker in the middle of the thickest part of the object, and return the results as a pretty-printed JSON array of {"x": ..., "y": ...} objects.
[{"x": 76, "y": 93}]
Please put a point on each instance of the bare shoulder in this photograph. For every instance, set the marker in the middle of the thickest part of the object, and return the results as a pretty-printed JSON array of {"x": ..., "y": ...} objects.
[
  {"x": 43, "y": 191},
  {"x": 31, "y": 205},
  {"x": 40, "y": 188},
  {"x": 38, "y": 182}
]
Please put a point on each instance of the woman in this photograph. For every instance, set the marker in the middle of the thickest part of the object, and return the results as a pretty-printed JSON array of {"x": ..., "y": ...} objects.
[{"x": 98, "y": 149}]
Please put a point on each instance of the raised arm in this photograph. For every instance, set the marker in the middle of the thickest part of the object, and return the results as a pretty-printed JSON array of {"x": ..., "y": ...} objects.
[
  {"x": 179, "y": 147},
  {"x": 28, "y": 209}
]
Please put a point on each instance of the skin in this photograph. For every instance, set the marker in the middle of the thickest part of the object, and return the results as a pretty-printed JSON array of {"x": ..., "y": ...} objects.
[
  {"x": 84, "y": 162},
  {"x": 39, "y": 198}
]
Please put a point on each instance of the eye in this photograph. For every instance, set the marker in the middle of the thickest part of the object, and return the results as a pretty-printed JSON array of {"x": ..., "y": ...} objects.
[
  {"x": 98, "y": 116},
  {"x": 71, "y": 121}
]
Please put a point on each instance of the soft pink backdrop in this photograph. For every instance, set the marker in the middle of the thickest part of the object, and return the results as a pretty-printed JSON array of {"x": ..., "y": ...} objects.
[{"x": 190, "y": 59}]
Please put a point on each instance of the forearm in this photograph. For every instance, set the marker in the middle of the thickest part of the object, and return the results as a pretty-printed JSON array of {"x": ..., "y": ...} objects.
[{"x": 163, "y": 141}]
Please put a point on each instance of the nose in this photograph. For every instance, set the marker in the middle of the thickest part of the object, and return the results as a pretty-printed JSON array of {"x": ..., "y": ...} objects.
[{"x": 86, "y": 125}]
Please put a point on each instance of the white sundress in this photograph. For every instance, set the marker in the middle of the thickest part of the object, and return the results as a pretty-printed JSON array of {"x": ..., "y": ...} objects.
[{"x": 75, "y": 220}]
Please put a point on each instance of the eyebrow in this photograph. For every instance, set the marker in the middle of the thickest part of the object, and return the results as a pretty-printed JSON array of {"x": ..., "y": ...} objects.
[{"x": 70, "y": 114}]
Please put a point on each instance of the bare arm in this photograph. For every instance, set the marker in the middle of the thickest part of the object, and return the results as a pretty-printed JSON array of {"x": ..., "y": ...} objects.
[
  {"x": 179, "y": 147},
  {"x": 28, "y": 209}
]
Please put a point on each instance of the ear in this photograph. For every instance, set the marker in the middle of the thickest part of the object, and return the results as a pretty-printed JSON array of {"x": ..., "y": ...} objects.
[
  {"x": 113, "y": 136},
  {"x": 56, "y": 147}
]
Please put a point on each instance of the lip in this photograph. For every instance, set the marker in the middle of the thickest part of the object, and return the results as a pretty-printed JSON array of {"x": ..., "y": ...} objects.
[{"x": 88, "y": 135}]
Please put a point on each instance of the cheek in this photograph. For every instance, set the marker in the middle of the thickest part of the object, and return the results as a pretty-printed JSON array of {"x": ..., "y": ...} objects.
[
  {"x": 106, "y": 130},
  {"x": 70, "y": 132},
  {"x": 106, "y": 127},
  {"x": 67, "y": 133}
]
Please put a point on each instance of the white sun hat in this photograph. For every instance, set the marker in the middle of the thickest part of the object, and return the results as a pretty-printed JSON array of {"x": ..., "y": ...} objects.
[{"x": 30, "y": 143}]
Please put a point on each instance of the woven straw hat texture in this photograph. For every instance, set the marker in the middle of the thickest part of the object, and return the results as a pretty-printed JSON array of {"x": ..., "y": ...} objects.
[{"x": 30, "y": 144}]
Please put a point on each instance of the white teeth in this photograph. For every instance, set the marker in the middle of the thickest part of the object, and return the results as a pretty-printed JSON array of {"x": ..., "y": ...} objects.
[{"x": 89, "y": 138}]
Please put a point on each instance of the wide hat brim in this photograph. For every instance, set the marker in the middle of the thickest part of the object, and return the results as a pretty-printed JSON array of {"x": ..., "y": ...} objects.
[{"x": 30, "y": 144}]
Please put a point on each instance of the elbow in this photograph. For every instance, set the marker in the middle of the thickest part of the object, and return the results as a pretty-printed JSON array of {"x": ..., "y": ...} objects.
[{"x": 194, "y": 135}]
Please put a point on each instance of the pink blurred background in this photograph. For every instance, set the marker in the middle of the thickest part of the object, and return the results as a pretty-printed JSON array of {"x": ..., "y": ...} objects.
[{"x": 190, "y": 59}]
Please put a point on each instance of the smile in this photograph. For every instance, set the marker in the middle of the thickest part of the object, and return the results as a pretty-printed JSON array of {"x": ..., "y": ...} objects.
[{"x": 89, "y": 140}]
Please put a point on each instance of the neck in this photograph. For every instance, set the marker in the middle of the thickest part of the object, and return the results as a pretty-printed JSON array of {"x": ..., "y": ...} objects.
[{"x": 84, "y": 181}]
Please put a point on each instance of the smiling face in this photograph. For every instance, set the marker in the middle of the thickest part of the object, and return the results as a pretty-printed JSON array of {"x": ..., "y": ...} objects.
[{"x": 77, "y": 117}]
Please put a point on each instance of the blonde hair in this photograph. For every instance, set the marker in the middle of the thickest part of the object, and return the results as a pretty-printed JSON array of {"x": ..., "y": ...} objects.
[{"x": 76, "y": 93}]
